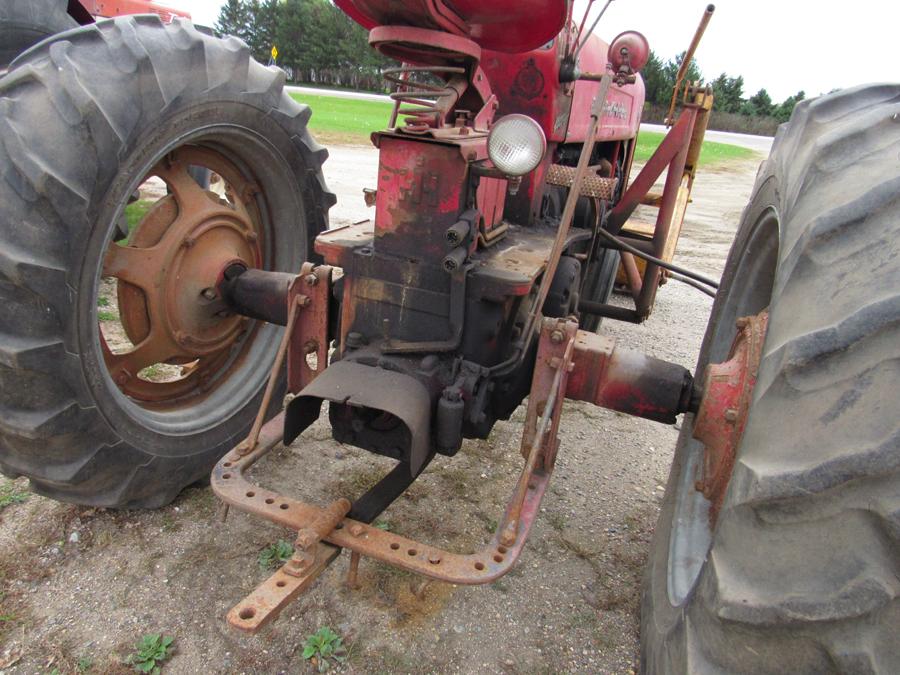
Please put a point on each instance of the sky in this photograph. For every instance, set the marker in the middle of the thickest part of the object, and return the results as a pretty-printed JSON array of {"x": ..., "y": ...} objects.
[{"x": 782, "y": 45}]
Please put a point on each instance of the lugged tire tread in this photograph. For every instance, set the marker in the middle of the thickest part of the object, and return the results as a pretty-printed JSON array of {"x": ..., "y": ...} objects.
[
  {"x": 64, "y": 445},
  {"x": 804, "y": 572}
]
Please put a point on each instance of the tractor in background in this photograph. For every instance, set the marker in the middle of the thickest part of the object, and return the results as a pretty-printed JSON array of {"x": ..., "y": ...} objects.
[{"x": 24, "y": 23}]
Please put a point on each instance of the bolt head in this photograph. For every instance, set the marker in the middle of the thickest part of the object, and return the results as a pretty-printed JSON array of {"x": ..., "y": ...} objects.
[
  {"x": 298, "y": 563},
  {"x": 356, "y": 530},
  {"x": 557, "y": 336},
  {"x": 311, "y": 279}
]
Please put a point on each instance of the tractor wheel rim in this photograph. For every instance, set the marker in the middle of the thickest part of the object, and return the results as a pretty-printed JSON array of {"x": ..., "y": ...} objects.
[
  {"x": 695, "y": 515},
  {"x": 166, "y": 273},
  {"x": 722, "y": 415}
]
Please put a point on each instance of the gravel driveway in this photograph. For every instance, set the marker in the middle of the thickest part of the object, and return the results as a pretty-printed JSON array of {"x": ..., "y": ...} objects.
[{"x": 81, "y": 586}]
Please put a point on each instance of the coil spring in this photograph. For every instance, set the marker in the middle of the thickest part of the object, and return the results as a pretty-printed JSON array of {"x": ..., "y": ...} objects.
[{"x": 424, "y": 95}]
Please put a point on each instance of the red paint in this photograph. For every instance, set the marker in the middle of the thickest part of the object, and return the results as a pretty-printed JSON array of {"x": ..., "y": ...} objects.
[
  {"x": 502, "y": 25},
  {"x": 109, "y": 8},
  {"x": 673, "y": 147},
  {"x": 490, "y": 200},
  {"x": 421, "y": 192},
  {"x": 625, "y": 380},
  {"x": 624, "y": 105},
  {"x": 722, "y": 416},
  {"x": 629, "y": 49}
]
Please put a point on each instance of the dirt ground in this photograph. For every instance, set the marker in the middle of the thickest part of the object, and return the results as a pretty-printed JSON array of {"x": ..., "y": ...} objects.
[{"x": 79, "y": 587}]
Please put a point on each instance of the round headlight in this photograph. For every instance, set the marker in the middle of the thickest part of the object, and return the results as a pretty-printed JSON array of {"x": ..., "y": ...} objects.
[{"x": 516, "y": 145}]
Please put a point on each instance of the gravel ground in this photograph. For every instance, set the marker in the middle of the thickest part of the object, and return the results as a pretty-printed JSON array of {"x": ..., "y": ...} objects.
[{"x": 79, "y": 587}]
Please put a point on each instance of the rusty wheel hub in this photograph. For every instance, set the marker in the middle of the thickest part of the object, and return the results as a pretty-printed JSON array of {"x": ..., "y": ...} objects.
[
  {"x": 167, "y": 272},
  {"x": 722, "y": 416}
]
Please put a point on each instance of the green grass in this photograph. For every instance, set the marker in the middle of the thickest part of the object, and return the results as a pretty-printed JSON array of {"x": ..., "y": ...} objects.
[
  {"x": 345, "y": 120},
  {"x": 711, "y": 153},
  {"x": 9, "y": 495},
  {"x": 348, "y": 120},
  {"x": 135, "y": 211}
]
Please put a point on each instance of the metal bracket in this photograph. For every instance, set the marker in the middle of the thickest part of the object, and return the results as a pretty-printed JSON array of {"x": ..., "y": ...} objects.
[
  {"x": 539, "y": 444},
  {"x": 310, "y": 334}
]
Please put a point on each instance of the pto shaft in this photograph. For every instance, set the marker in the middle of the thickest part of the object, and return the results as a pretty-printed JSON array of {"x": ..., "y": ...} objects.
[{"x": 629, "y": 381}]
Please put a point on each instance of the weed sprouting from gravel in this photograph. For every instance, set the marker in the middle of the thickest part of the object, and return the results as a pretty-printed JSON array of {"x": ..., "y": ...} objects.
[
  {"x": 324, "y": 648},
  {"x": 10, "y": 495},
  {"x": 152, "y": 651},
  {"x": 275, "y": 554}
]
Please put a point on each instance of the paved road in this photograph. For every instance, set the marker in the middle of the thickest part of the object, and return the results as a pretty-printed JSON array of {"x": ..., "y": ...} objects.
[
  {"x": 339, "y": 93},
  {"x": 760, "y": 143}
]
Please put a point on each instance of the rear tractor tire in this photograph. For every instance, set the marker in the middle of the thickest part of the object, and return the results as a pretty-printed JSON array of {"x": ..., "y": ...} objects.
[
  {"x": 792, "y": 564},
  {"x": 123, "y": 377}
]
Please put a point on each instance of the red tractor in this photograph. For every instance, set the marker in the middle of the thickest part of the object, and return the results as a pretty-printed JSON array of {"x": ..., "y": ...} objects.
[
  {"x": 24, "y": 23},
  {"x": 504, "y": 205}
]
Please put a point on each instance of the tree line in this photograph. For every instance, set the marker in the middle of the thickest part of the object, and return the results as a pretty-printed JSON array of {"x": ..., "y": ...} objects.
[
  {"x": 319, "y": 44},
  {"x": 733, "y": 111}
]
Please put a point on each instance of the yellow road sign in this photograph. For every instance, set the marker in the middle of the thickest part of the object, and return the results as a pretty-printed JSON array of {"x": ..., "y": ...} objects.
[{"x": 274, "y": 52}]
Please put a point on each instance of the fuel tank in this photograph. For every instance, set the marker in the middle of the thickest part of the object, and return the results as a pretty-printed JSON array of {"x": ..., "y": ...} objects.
[{"x": 501, "y": 25}]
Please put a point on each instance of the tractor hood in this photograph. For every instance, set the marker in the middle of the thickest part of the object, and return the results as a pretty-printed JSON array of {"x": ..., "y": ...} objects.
[{"x": 501, "y": 25}]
